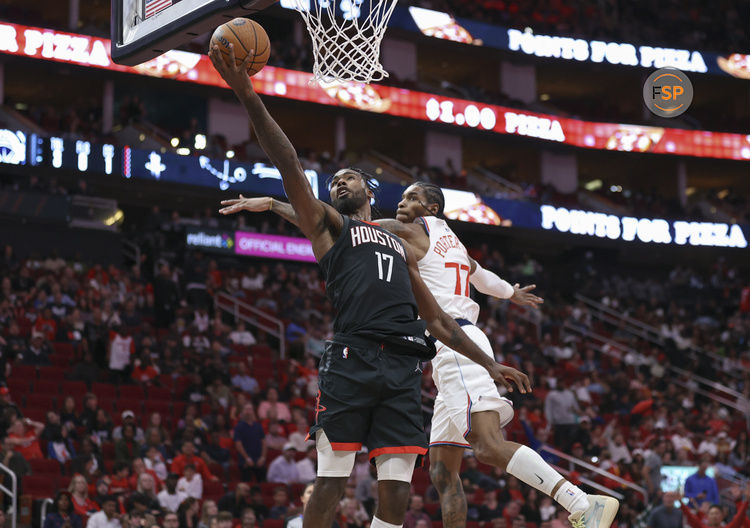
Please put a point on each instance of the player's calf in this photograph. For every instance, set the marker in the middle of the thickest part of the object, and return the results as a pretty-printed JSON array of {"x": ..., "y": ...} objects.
[{"x": 321, "y": 508}]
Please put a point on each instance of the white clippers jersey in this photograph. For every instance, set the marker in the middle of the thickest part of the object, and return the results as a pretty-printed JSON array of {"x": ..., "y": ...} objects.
[{"x": 445, "y": 270}]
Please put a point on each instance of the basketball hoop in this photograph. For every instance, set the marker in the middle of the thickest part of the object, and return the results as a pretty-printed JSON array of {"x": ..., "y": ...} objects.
[{"x": 346, "y": 36}]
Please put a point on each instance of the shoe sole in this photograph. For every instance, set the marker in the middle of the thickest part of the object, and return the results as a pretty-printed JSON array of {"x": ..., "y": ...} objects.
[{"x": 609, "y": 512}]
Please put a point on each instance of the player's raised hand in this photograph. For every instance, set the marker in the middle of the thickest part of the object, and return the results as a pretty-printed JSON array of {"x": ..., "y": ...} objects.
[
  {"x": 524, "y": 297},
  {"x": 503, "y": 373},
  {"x": 235, "y": 75},
  {"x": 253, "y": 205}
]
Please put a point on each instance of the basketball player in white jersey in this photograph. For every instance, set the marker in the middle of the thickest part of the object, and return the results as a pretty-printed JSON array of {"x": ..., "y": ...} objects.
[{"x": 469, "y": 411}]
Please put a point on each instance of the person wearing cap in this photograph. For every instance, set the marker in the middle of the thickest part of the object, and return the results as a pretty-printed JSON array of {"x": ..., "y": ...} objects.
[
  {"x": 284, "y": 468},
  {"x": 62, "y": 514},
  {"x": 37, "y": 352},
  {"x": 170, "y": 497},
  {"x": 128, "y": 417}
]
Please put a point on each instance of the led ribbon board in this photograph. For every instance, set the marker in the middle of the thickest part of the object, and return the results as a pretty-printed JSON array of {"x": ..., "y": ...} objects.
[{"x": 191, "y": 67}]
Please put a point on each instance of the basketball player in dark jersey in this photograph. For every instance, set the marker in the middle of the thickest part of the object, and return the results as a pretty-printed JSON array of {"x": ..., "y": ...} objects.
[{"x": 370, "y": 373}]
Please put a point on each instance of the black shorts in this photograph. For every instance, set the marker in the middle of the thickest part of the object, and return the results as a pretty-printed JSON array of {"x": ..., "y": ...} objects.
[{"x": 370, "y": 394}]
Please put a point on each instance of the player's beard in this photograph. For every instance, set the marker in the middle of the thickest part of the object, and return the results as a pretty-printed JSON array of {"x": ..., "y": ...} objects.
[{"x": 350, "y": 204}]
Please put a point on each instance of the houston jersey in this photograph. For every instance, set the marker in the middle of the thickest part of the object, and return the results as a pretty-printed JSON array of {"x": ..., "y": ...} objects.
[
  {"x": 445, "y": 270},
  {"x": 367, "y": 281}
]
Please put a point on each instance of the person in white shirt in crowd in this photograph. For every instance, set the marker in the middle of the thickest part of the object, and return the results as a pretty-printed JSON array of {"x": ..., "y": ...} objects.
[
  {"x": 561, "y": 410},
  {"x": 119, "y": 351},
  {"x": 191, "y": 483},
  {"x": 708, "y": 445},
  {"x": 244, "y": 381},
  {"x": 253, "y": 280},
  {"x": 201, "y": 319},
  {"x": 170, "y": 497},
  {"x": 107, "y": 517},
  {"x": 128, "y": 417},
  {"x": 618, "y": 450},
  {"x": 242, "y": 335},
  {"x": 306, "y": 468},
  {"x": 284, "y": 468},
  {"x": 681, "y": 439},
  {"x": 155, "y": 462}
]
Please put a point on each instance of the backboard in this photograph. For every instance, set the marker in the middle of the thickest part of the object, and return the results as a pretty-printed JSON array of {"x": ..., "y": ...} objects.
[{"x": 144, "y": 29}]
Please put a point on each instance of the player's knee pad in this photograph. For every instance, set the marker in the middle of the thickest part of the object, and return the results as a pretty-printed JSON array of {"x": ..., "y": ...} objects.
[
  {"x": 332, "y": 463},
  {"x": 505, "y": 410},
  {"x": 396, "y": 466}
]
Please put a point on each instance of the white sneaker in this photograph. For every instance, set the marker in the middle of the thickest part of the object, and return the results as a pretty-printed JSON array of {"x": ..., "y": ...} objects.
[{"x": 601, "y": 513}]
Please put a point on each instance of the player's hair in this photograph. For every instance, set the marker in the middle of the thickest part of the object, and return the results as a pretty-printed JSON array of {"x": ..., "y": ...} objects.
[
  {"x": 370, "y": 181},
  {"x": 434, "y": 194}
]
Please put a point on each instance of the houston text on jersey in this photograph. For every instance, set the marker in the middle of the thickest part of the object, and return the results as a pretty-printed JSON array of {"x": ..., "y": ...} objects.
[{"x": 362, "y": 234}]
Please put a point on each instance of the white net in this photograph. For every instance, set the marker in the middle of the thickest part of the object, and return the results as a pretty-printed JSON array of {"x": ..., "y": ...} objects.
[{"x": 346, "y": 36}]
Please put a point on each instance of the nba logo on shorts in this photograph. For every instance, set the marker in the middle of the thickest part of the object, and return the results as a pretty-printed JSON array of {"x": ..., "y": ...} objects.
[{"x": 345, "y": 353}]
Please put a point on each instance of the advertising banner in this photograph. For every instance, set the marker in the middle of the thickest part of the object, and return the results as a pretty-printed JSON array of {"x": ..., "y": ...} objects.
[
  {"x": 215, "y": 240},
  {"x": 273, "y": 246},
  {"x": 191, "y": 67}
]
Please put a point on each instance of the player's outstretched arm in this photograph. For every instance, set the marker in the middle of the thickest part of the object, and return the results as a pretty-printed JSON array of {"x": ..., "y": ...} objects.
[
  {"x": 490, "y": 284},
  {"x": 315, "y": 216},
  {"x": 259, "y": 205},
  {"x": 446, "y": 330}
]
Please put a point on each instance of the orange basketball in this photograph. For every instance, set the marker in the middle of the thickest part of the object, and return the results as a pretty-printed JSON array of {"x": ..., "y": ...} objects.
[{"x": 246, "y": 35}]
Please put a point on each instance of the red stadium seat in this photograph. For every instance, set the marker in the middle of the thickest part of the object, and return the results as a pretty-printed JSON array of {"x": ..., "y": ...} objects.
[
  {"x": 63, "y": 349},
  {"x": 42, "y": 402},
  {"x": 47, "y": 386},
  {"x": 212, "y": 489},
  {"x": 132, "y": 392},
  {"x": 127, "y": 404},
  {"x": 420, "y": 480},
  {"x": 19, "y": 387},
  {"x": 157, "y": 406},
  {"x": 108, "y": 450},
  {"x": 27, "y": 372},
  {"x": 77, "y": 389},
  {"x": 104, "y": 391},
  {"x": 273, "y": 523},
  {"x": 159, "y": 393},
  {"x": 52, "y": 373},
  {"x": 43, "y": 466},
  {"x": 60, "y": 361},
  {"x": 40, "y": 486}
]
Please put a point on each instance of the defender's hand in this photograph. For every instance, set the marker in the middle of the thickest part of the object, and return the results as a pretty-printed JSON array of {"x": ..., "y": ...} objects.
[
  {"x": 503, "y": 373},
  {"x": 524, "y": 297},
  {"x": 253, "y": 205},
  {"x": 233, "y": 74}
]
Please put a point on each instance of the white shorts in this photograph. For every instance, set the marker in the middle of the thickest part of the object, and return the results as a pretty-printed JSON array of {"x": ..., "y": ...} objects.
[{"x": 463, "y": 388}]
